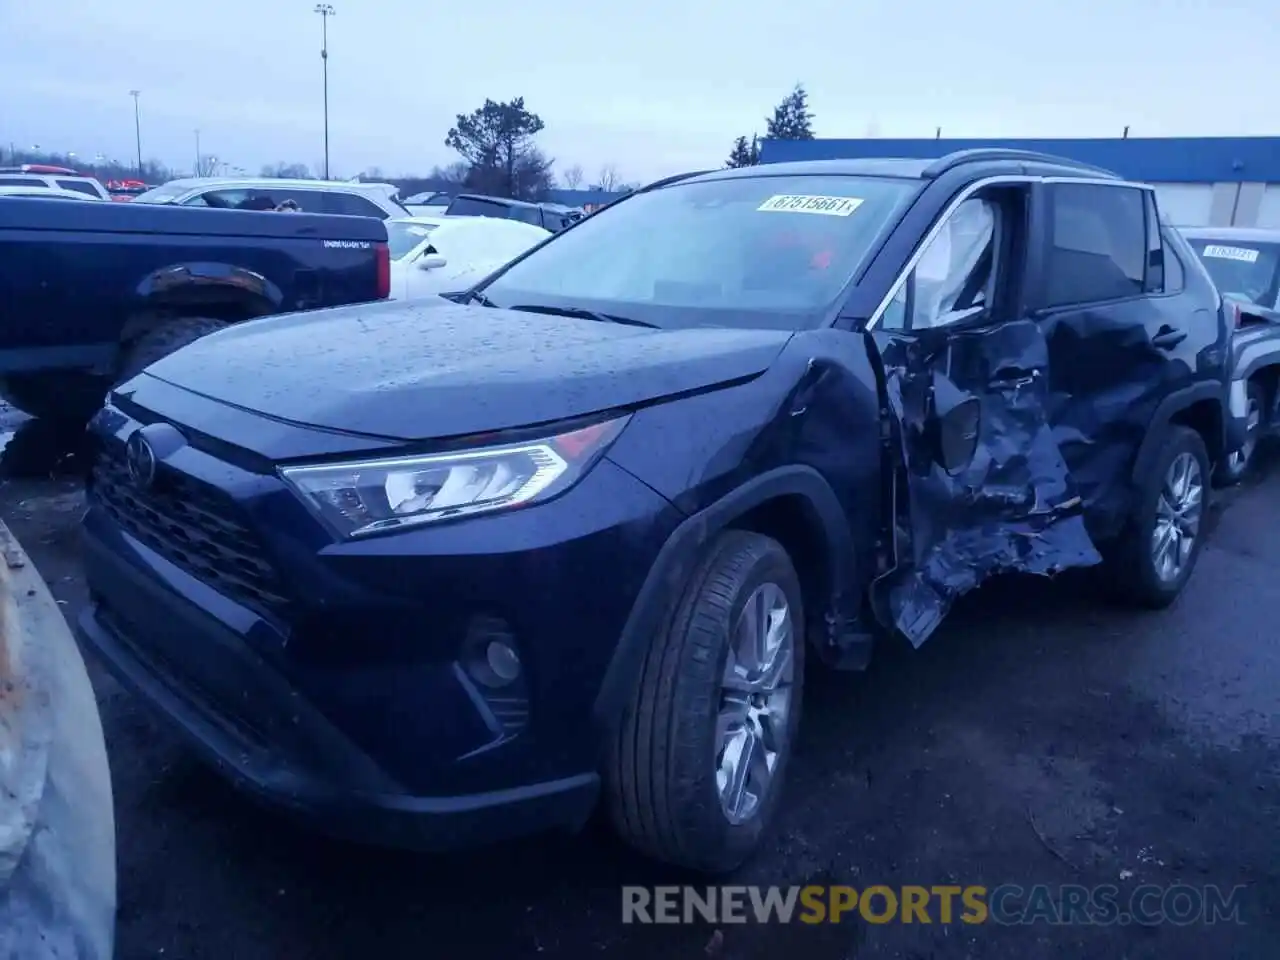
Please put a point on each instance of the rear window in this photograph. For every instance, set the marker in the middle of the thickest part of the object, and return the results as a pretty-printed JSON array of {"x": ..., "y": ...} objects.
[
  {"x": 165, "y": 194},
  {"x": 472, "y": 207},
  {"x": 1242, "y": 268},
  {"x": 79, "y": 186}
]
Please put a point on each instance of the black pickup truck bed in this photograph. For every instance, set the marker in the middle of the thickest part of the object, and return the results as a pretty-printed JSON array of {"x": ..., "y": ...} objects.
[{"x": 91, "y": 292}]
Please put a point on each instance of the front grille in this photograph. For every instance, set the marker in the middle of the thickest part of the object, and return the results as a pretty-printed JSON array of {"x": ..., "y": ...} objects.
[{"x": 194, "y": 527}]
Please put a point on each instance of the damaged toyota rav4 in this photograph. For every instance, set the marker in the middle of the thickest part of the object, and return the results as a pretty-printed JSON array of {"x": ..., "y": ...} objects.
[{"x": 431, "y": 574}]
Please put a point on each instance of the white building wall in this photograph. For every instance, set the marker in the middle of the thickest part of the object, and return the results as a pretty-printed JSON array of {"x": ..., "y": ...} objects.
[
  {"x": 1269, "y": 208},
  {"x": 1220, "y": 204}
]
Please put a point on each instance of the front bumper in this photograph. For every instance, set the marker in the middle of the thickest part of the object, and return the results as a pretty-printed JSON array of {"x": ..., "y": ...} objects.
[
  {"x": 355, "y": 710},
  {"x": 304, "y": 763}
]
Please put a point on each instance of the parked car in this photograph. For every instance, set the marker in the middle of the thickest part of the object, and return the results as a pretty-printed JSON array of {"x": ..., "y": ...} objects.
[
  {"x": 453, "y": 254},
  {"x": 43, "y": 193},
  {"x": 438, "y": 575},
  {"x": 93, "y": 292},
  {"x": 430, "y": 203},
  {"x": 350, "y": 198},
  {"x": 543, "y": 215},
  {"x": 1245, "y": 265},
  {"x": 87, "y": 186}
]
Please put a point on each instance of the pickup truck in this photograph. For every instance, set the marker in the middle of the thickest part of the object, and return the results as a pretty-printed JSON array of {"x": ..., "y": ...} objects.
[{"x": 91, "y": 293}]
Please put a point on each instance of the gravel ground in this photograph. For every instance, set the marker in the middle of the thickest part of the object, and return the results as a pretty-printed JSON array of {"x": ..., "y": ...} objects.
[{"x": 1039, "y": 738}]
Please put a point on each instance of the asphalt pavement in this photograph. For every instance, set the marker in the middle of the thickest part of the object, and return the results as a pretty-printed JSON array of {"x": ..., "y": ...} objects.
[{"x": 1041, "y": 737}]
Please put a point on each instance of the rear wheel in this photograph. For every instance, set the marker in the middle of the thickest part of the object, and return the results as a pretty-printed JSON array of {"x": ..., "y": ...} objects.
[
  {"x": 1153, "y": 559},
  {"x": 697, "y": 769}
]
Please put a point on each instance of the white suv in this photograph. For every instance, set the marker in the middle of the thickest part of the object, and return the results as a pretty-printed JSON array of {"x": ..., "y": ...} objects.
[
  {"x": 86, "y": 185},
  {"x": 267, "y": 193}
]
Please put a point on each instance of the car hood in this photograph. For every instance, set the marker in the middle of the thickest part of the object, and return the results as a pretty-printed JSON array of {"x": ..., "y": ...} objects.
[{"x": 416, "y": 371}]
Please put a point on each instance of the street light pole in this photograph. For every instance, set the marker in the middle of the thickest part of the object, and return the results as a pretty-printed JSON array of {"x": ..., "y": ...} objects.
[
  {"x": 137, "y": 127},
  {"x": 196, "y": 171},
  {"x": 326, "y": 11}
]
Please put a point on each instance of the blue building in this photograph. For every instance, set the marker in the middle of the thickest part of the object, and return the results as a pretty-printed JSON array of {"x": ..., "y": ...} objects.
[{"x": 1199, "y": 181}]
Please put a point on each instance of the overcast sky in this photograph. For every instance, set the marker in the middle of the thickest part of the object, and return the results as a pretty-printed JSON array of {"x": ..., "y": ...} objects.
[{"x": 653, "y": 87}]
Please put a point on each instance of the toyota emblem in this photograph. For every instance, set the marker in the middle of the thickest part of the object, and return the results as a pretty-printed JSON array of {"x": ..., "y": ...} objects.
[{"x": 140, "y": 460}]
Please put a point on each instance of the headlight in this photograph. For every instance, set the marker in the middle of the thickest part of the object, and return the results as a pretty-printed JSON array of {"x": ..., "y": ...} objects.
[{"x": 370, "y": 496}]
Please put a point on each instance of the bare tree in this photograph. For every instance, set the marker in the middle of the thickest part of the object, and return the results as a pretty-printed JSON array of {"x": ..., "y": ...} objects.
[
  {"x": 207, "y": 167},
  {"x": 608, "y": 178},
  {"x": 572, "y": 176}
]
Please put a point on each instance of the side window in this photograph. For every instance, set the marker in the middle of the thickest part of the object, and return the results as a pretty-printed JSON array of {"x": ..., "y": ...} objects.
[
  {"x": 1098, "y": 247},
  {"x": 1155, "y": 247},
  {"x": 22, "y": 182},
  {"x": 955, "y": 273},
  {"x": 350, "y": 205}
]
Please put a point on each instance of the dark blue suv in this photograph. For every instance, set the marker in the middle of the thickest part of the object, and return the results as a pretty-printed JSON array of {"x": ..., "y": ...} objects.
[{"x": 440, "y": 573}]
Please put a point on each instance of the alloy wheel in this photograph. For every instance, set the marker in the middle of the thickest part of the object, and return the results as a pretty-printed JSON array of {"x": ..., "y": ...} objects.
[
  {"x": 1178, "y": 514},
  {"x": 755, "y": 702}
]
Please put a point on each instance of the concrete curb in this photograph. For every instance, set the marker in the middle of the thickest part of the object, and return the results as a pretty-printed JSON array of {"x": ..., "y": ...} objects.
[{"x": 57, "y": 822}]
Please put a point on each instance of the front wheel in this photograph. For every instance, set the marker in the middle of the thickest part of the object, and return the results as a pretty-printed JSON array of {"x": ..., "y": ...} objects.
[
  {"x": 697, "y": 768},
  {"x": 1153, "y": 559}
]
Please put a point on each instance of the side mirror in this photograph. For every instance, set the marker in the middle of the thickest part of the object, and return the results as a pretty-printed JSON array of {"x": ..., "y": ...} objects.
[
  {"x": 958, "y": 418},
  {"x": 432, "y": 261}
]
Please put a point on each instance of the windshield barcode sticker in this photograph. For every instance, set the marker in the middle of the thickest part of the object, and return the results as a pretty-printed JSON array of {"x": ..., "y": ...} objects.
[
  {"x": 799, "y": 203},
  {"x": 1243, "y": 254}
]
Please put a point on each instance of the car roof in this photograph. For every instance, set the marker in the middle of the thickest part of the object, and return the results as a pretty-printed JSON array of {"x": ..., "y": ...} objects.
[
  {"x": 506, "y": 201},
  {"x": 1256, "y": 234},
  {"x": 425, "y": 221},
  {"x": 345, "y": 186}
]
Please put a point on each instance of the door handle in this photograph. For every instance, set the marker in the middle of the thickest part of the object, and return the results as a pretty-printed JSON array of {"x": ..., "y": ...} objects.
[{"x": 1167, "y": 337}]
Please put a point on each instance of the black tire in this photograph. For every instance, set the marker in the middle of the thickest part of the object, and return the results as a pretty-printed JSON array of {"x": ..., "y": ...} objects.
[
  {"x": 1130, "y": 571},
  {"x": 65, "y": 397},
  {"x": 163, "y": 340},
  {"x": 1232, "y": 470},
  {"x": 661, "y": 773}
]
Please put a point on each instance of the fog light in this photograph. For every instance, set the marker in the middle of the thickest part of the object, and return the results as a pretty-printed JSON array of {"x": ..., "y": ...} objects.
[{"x": 503, "y": 661}]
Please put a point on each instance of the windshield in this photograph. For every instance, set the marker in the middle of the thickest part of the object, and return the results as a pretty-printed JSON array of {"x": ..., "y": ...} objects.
[
  {"x": 1243, "y": 268},
  {"x": 165, "y": 194},
  {"x": 403, "y": 238},
  {"x": 762, "y": 251}
]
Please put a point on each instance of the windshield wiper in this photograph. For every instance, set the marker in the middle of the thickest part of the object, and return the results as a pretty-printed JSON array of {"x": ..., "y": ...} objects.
[
  {"x": 583, "y": 315},
  {"x": 480, "y": 298}
]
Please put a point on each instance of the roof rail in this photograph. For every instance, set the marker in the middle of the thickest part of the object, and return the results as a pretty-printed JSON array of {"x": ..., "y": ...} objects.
[
  {"x": 978, "y": 154},
  {"x": 674, "y": 178}
]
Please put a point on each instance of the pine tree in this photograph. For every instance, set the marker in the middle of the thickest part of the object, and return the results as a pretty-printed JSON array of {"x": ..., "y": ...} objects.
[
  {"x": 791, "y": 118},
  {"x": 743, "y": 154}
]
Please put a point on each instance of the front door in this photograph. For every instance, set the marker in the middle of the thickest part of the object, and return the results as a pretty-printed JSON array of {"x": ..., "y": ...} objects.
[{"x": 983, "y": 486}]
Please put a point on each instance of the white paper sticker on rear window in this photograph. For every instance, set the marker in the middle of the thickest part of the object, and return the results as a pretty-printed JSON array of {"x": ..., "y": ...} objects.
[
  {"x": 1243, "y": 254},
  {"x": 801, "y": 203}
]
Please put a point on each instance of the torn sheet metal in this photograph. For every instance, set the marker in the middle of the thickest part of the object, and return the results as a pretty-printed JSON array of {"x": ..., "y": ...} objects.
[
  {"x": 1013, "y": 508},
  {"x": 57, "y": 825}
]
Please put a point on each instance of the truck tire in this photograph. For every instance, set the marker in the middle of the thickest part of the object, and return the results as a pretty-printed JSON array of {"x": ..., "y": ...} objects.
[
  {"x": 163, "y": 340},
  {"x": 62, "y": 396},
  {"x": 703, "y": 700},
  {"x": 1233, "y": 467},
  {"x": 1172, "y": 501}
]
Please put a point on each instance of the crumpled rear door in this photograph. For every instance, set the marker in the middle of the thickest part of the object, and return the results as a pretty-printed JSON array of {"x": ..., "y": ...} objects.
[{"x": 1010, "y": 507}]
